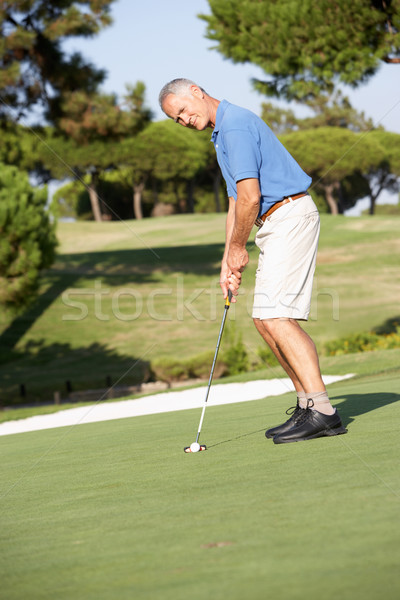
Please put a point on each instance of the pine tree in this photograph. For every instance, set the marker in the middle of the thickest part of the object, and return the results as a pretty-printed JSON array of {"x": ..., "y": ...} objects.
[
  {"x": 92, "y": 126},
  {"x": 332, "y": 154},
  {"x": 34, "y": 70},
  {"x": 27, "y": 238},
  {"x": 166, "y": 154},
  {"x": 306, "y": 47}
]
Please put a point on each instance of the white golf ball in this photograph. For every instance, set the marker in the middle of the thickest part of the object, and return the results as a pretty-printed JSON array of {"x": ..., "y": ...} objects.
[{"x": 195, "y": 447}]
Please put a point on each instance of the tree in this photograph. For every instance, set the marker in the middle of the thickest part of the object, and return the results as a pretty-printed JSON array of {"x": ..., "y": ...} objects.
[
  {"x": 307, "y": 47},
  {"x": 330, "y": 154},
  {"x": 35, "y": 72},
  {"x": 329, "y": 111},
  {"x": 386, "y": 173},
  {"x": 163, "y": 153},
  {"x": 19, "y": 147},
  {"x": 27, "y": 238},
  {"x": 90, "y": 130},
  {"x": 375, "y": 173}
]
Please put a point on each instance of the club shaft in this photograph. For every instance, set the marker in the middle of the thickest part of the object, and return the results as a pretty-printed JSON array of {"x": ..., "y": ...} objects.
[{"x": 213, "y": 363}]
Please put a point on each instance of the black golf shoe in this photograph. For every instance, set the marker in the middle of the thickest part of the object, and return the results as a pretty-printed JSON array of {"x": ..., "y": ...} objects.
[
  {"x": 295, "y": 412},
  {"x": 312, "y": 424}
]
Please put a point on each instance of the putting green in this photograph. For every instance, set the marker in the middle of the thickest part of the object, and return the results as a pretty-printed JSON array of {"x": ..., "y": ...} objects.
[{"x": 118, "y": 510}]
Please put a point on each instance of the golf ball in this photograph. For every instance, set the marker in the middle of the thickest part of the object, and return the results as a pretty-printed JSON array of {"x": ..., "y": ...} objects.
[{"x": 195, "y": 447}]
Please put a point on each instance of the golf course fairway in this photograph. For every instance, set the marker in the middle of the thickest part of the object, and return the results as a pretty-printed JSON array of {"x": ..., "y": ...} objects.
[{"x": 118, "y": 510}]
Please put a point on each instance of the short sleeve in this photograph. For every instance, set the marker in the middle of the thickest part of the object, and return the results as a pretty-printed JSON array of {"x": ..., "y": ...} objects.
[{"x": 243, "y": 153}]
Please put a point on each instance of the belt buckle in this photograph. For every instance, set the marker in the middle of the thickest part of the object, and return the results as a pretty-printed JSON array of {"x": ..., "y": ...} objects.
[{"x": 259, "y": 222}]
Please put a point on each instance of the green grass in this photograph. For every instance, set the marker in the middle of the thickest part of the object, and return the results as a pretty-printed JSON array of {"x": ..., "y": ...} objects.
[
  {"x": 381, "y": 361},
  {"x": 139, "y": 291},
  {"x": 117, "y": 510}
]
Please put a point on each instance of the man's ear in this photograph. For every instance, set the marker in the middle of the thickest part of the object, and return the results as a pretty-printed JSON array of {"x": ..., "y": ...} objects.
[{"x": 196, "y": 91}]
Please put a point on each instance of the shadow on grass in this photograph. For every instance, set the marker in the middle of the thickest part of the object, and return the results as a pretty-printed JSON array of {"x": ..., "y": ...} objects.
[
  {"x": 353, "y": 406},
  {"x": 43, "y": 369},
  {"x": 197, "y": 258},
  {"x": 238, "y": 437},
  {"x": 115, "y": 268},
  {"x": 359, "y": 404},
  {"x": 18, "y": 327},
  {"x": 389, "y": 326}
]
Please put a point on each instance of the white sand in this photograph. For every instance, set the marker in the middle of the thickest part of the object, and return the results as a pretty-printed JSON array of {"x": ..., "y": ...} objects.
[{"x": 227, "y": 393}]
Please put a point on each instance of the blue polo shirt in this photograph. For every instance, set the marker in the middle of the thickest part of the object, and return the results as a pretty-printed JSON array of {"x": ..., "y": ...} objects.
[{"x": 247, "y": 148}]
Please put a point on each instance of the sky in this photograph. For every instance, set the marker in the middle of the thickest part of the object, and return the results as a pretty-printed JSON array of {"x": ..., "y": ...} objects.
[{"x": 155, "y": 41}]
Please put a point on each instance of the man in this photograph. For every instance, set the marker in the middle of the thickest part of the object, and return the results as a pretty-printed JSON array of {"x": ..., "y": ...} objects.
[{"x": 266, "y": 186}]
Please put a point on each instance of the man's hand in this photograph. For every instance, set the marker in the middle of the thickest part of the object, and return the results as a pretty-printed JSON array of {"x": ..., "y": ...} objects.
[
  {"x": 237, "y": 258},
  {"x": 225, "y": 274},
  {"x": 229, "y": 281},
  {"x": 231, "y": 270}
]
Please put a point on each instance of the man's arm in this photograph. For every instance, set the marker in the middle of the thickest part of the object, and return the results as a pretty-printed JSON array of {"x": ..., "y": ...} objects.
[
  {"x": 225, "y": 270},
  {"x": 246, "y": 211}
]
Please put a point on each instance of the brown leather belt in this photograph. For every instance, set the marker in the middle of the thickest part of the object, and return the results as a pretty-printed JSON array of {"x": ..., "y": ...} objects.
[{"x": 261, "y": 220}]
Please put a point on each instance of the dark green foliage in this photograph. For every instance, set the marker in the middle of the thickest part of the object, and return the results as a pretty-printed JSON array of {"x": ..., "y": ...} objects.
[
  {"x": 329, "y": 110},
  {"x": 306, "y": 47},
  {"x": 35, "y": 72},
  {"x": 27, "y": 238},
  {"x": 95, "y": 117},
  {"x": 332, "y": 154},
  {"x": 91, "y": 131},
  {"x": 72, "y": 200}
]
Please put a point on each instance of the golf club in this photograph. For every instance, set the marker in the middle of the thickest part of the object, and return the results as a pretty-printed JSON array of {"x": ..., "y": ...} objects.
[{"x": 195, "y": 446}]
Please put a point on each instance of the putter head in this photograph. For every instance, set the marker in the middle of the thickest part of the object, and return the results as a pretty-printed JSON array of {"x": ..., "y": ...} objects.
[{"x": 188, "y": 450}]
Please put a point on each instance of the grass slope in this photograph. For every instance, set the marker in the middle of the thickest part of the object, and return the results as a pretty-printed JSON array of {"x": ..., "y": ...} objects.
[
  {"x": 120, "y": 292},
  {"x": 117, "y": 510}
]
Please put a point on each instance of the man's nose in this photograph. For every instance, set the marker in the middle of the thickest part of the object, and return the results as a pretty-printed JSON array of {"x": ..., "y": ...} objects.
[{"x": 184, "y": 119}]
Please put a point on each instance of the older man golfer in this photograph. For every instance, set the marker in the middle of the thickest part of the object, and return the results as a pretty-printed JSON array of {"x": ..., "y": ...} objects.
[{"x": 268, "y": 188}]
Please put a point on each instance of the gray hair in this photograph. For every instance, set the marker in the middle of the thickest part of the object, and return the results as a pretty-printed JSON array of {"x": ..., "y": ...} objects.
[{"x": 177, "y": 87}]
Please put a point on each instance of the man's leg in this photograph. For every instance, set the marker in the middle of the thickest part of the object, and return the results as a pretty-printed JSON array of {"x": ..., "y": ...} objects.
[
  {"x": 262, "y": 330},
  {"x": 297, "y": 354}
]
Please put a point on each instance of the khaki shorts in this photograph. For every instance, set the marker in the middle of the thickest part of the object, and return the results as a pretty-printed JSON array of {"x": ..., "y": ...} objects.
[{"x": 288, "y": 243}]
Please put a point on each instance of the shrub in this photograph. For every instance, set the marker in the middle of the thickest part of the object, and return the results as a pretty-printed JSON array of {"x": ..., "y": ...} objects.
[
  {"x": 267, "y": 357},
  {"x": 235, "y": 354},
  {"x": 197, "y": 367},
  {"x": 363, "y": 342},
  {"x": 27, "y": 237}
]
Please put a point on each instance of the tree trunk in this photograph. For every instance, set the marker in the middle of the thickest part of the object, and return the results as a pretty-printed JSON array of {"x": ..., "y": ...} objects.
[
  {"x": 155, "y": 191},
  {"x": 372, "y": 203},
  {"x": 373, "y": 196},
  {"x": 190, "y": 196},
  {"x": 137, "y": 200},
  {"x": 331, "y": 200},
  {"x": 94, "y": 198},
  {"x": 394, "y": 61},
  {"x": 180, "y": 202}
]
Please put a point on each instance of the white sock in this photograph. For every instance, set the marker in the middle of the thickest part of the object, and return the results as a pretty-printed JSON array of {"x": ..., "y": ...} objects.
[
  {"x": 302, "y": 398},
  {"x": 321, "y": 402}
]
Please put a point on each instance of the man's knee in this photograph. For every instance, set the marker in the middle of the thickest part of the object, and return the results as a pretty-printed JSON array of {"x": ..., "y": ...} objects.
[
  {"x": 259, "y": 324},
  {"x": 273, "y": 326}
]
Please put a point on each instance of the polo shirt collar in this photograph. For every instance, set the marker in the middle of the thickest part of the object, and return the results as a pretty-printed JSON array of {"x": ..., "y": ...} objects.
[{"x": 222, "y": 106}]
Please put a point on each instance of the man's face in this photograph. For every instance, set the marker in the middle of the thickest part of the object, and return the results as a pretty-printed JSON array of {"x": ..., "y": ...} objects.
[{"x": 190, "y": 110}]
